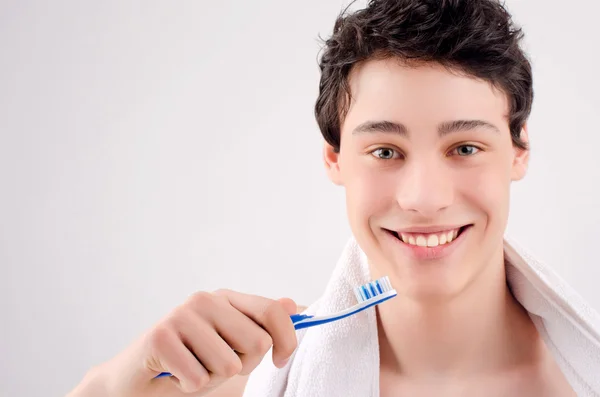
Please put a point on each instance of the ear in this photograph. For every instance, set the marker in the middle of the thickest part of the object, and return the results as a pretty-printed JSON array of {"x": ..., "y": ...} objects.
[
  {"x": 331, "y": 159},
  {"x": 521, "y": 159}
]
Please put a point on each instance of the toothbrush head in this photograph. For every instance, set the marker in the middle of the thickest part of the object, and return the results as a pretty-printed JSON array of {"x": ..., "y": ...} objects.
[{"x": 374, "y": 289}]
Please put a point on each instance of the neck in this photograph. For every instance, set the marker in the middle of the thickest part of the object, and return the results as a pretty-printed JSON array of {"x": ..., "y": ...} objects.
[{"x": 482, "y": 330}]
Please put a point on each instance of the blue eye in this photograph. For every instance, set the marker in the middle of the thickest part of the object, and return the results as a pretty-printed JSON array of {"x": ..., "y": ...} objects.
[
  {"x": 384, "y": 153},
  {"x": 466, "y": 150}
]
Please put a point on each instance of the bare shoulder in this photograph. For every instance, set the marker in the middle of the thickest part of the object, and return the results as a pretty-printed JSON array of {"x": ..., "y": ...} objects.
[{"x": 235, "y": 386}]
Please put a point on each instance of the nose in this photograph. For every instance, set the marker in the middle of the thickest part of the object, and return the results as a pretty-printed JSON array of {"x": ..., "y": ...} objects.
[{"x": 426, "y": 187}]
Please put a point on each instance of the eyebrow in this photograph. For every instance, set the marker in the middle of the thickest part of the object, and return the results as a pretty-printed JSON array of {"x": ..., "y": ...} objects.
[{"x": 445, "y": 128}]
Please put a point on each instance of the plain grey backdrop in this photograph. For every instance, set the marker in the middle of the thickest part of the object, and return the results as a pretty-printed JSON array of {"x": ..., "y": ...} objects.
[{"x": 151, "y": 149}]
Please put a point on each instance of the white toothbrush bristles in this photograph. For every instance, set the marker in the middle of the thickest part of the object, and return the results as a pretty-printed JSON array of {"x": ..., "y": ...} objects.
[{"x": 372, "y": 289}]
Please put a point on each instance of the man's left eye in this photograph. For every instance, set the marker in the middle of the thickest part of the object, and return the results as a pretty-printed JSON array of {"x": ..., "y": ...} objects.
[{"x": 466, "y": 150}]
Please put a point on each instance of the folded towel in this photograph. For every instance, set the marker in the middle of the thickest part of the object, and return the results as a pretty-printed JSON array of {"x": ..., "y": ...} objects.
[{"x": 342, "y": 358}]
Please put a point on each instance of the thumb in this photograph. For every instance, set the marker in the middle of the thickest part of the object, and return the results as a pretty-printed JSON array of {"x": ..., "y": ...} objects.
[{"x": 289, "y": 305}]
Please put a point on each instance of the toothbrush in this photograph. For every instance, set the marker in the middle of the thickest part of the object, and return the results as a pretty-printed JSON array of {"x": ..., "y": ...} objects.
[{"x": 367, "y": 295}]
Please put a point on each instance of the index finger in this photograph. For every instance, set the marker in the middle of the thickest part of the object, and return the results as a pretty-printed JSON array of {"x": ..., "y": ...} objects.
[{"x": 272, "y": 316}]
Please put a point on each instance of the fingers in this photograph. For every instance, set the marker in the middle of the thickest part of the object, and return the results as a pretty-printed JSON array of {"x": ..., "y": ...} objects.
[
  {"x": 175, "y": 358},
  {"x": 272, "y": 316},
  {"x": 208, "y": 347},
  {"x": 289, "y": 305},
  {"x": 250, "y": 341}
]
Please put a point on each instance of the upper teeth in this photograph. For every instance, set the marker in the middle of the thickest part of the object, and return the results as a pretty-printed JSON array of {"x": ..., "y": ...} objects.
[{"x": 430, "y": 239}]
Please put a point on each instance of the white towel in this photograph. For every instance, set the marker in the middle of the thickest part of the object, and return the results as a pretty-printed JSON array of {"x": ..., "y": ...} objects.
[{"x": 342, "y": 358}]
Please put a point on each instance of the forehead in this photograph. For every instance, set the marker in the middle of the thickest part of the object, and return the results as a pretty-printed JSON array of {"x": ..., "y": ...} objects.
[{"x": 420, "y": 96}]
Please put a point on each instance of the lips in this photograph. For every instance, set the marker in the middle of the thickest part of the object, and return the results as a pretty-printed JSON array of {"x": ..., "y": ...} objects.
[{"x": 428, "y": 243}]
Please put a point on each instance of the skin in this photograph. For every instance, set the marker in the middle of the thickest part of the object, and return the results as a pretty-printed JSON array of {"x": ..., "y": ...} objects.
[
  {"x": 454, "y": 329},
  {"x": 210, "y": 343}
]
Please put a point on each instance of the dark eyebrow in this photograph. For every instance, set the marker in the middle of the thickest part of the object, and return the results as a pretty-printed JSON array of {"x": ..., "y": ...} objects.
[
  {"x": 465, "y": 125},
  {"x": 444, "y": 128},
  {"x": 381, "y": 126}
]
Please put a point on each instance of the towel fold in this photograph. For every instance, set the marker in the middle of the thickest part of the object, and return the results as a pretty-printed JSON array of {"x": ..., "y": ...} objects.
[{"x": 342, "y": 358}]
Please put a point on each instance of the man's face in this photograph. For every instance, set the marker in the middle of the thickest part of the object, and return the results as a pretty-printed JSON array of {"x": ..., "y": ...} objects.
[{"x": 426, "y": 160}]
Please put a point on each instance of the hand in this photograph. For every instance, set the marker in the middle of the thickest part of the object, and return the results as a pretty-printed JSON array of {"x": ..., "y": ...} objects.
[{"x": 205, "y": 342}]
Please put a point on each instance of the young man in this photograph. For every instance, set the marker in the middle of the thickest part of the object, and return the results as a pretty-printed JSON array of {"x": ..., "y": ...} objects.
[{"x": 423, "y": 105}]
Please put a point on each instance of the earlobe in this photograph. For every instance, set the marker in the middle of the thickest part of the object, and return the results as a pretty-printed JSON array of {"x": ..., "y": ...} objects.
[
  {"x": 521, "y": 159},
  {"x": 331, "y": 160}
]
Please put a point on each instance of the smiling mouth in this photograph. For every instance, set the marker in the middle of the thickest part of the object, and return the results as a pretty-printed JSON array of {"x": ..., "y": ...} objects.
[{"x": 429, "y": 239}]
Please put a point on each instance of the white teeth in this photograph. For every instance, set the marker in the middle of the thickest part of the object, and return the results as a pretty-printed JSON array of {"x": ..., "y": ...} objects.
[
  {"x": 429, "y": 240},
  {"x": 443, "y": 238},
  {"x": 432, "y": 241}
]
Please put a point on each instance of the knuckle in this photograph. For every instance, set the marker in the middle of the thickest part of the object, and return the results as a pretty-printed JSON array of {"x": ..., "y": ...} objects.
[
  {"x": 220, "y": 297},
  {"x": 273, "y": 307},
  {"x": 221, "y": 292},
  {"x": 262, "y": 344},
  {"x": 200, "y": 379},
  {"x": 159, "y": 337},
  {"x": 195, "y": 382},
  {"x": 275, "y": 317},
  {"x": 177, "y": 319},
  {"x": 273, "y": 311},
  {"x": 200, "y": 299},
  {"x": 232, "y": 367}
]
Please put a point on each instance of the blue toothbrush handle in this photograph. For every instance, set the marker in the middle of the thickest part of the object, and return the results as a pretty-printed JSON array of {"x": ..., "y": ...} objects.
[
  {"x": 294, "y": 317},
  {"x": 298, "y": 317}
]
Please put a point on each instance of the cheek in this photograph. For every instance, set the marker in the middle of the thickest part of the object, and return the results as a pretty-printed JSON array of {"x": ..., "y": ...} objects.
[
  {"x": 488, "y": 189},
  {"x": 369, "y": 192}
]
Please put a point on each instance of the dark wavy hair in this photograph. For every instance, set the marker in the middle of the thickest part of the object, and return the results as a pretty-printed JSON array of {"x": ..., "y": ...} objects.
[{"x": 475, "y": 37}]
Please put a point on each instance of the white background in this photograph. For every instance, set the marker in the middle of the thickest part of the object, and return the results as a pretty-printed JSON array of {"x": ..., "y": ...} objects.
[{"x": 152, "y": 149}]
